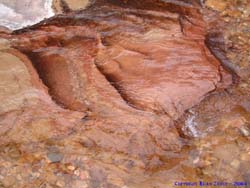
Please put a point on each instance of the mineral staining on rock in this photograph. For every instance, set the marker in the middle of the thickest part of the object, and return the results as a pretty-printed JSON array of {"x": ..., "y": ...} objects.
[
  {"x": 143, "y": 57},
  {"x": 134, "y": 76},
  {"x": 93, "y": 96},
  {"x": 61, "y": 6},
  {"x": 23, "y": 93}
]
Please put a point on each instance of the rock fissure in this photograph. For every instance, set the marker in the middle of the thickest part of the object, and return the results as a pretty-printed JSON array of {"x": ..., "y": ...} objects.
[{"x": 116, "y": 87}]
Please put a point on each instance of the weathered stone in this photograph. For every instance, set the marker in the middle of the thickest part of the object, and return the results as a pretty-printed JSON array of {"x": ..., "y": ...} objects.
[
  {"x": 16, "y": 14},
  {"x": 119, "y": 73},
  {"x": 25, "y": 97},
  {"x": 61, "y": 6},
  {"x": 55, "y": 157},
  {"x": 135, "y": 77}
]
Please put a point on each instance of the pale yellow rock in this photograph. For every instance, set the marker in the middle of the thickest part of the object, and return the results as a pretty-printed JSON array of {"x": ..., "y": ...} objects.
[
  {"x": 19, "y": 83},
  {"x": 72, "y": 4},
  {"x": 19, "y": 177},
  {"x": 15, "y": 85},
  {"x": 60, "y": 183},
  {"x": 4, "y": 44},
  {"x": 71, "y": 168},
  {"x": 235, "y": 163},
  {"x": 77, "y": 172},
  {"x": 216, "y": 5},
  {"x": 245, "y": 157},
  {"x": 77, "y": 4}
]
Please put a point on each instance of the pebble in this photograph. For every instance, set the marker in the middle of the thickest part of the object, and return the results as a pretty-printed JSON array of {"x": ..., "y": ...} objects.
[
  {"x": 216, "y": 5},
  {"x": 36, "y": 174},
  {"x": 71, "y": 168},
  {"x": 55, "y": 157},
  {"x": 19, "y": 177},
  {"x": 77, "y": 172},
  {"x": 235, "y": 163},
  {"x": 245, "y": 131},
  {"x": 60, "y": 183},
  {"x": 196, "y": 160}
]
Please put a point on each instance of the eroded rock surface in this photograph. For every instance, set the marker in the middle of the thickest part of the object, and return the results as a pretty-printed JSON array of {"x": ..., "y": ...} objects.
[
  {"x": 119, "y": 73},
  {"x": 129, "y": 67},
  {"x": 61, "y": 6},
  {"x": 76, "y": 82},
  {"x": 143, "y": 57},
  {"x": 24, "y": 94}
]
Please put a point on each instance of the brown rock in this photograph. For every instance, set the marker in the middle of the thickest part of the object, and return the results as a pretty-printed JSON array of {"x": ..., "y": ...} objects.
[
  {"x": 133, "y": 71},
  {"x": 24, "y": 112},
  {"x": 75, "y": 81},
  {"x": 134, "y": 76},
  {"x": 147, "y": 63},
  {"x": 119, "y": 73}
]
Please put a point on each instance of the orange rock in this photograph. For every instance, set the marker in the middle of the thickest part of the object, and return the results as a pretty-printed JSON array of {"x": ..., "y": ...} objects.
[{"x": 133, "y": 71}]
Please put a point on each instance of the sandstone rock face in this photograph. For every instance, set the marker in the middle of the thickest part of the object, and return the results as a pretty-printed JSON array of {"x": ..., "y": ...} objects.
[
  {"x": 134, "y": 71},
  {"x": 61, "y": 6},
  {"x": 76, "y": 82},
  {"x": 143, "y": 57},
  {"x": 23, "y": 92},
  {"x": 19, "y": 81},
  {"x": 91, "y": 98},
  {"x": 118, "y": 75}
]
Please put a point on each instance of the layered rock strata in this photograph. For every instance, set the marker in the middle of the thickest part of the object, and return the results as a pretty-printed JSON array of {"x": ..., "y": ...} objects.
[{"x": 132, "y": 70}]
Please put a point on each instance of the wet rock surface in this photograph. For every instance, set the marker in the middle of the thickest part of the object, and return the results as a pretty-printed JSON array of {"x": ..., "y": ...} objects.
[
  {"x": 220, "y": 123},
  {"x": 99, "y": 98}
]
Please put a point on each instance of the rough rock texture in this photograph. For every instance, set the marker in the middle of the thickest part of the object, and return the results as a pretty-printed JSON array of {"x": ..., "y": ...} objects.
[
  {"x": 129, "y": 69},
  {"x": 119, "y": 73},
  {"x": 76, "y": 82},
  {"x": 142, "y": 56},
  {"x": 221, "y": 122},
  {"x": 61, "y": 6},
  {"x": 232, "y": 19},
  {"x": 23, "y": 96}
]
